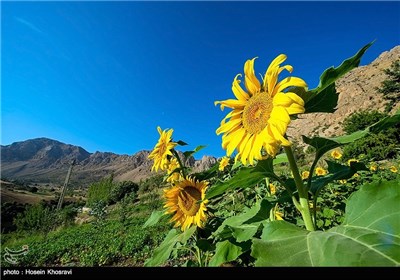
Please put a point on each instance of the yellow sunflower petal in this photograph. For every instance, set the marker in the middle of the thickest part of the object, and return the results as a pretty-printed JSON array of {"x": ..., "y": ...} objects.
[
  {"x": 238, "y": 91},
  {"x": 289, "y": 82},
  {"x": 230, "y": 103},
  {"x": 250, "y": 80}
]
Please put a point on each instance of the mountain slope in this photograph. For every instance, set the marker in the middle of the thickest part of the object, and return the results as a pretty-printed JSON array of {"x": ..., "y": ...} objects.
[{"x": 44, "y": 160}]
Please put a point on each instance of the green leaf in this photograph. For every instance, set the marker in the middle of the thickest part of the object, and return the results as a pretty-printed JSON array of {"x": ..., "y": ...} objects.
[
  {"x": 245, "y": 225},
  {"x": 181, "y": 143},
  {"x": 205, "y": 245},
  {"x": 189, "y": 153},
  {"x": 281, "y": 158},
  {"x": 153, "y": 219},
  {"x": 163, "y": 252},
  {"x": 322, "y": 145},
  {"x": 324, "y": 101},
  {"x": 324, "y": 97},
  {"x": 369, "y": 235},
  {"x": 244, "y": 178},
  {"x": 225, "y": 252},
  {"x": 331, "y": 74}
]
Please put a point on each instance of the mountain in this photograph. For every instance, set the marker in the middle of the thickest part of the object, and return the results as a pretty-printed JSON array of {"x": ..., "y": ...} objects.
[
  {"x": 357, "y": 91},
  {"x": 44, "y": 160}
]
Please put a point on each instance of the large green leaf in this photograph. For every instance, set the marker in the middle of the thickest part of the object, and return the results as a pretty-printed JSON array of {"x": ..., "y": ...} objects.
[
  {"x": 153, "y": 219},
  {"x": 369, "y": 235},
  {"x": 324, "y": 97},
  {"x": 244, "y": 226},
  {"x": 244, "y": 178},
  {"x": 281, "y": 158},
  {"x": 163, "y": 252},
  {"x": 324, "y": 101},
  {"x": 227, "y": 251}
]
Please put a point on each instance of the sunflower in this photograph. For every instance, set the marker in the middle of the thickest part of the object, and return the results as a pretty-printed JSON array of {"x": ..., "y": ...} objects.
[
  {"x": 223, "y": 163},
  {"x": 336, "y": 154},
  {"x": 305, "y": 175},
  {"x": 275, "y": 214},
  {"x": 162, "y": 149},
  {"x": 393, "y": 169},
  {"x": 186, "y": 201},
  {"x": 173, "y": 177},
  {"x": 320, "y": 171},
  {"x": 260, "y": 114},
  {"x": 272, "y": 189}
]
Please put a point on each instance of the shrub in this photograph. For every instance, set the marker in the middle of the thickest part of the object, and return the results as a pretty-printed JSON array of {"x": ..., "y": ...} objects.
[
  {"x": 390, "y": 88},
  {"x": 100, "y": 191},
  {"x": 361, "y": 120},
  {"x": 37, "y": 217},
  {"x": 380, "y": 146},
  {"x": 121, "y": 189},
  {"x": 152, "y": 183},
  {"x": 384, "y": 145},
  {"x": 66, "y": 215}
]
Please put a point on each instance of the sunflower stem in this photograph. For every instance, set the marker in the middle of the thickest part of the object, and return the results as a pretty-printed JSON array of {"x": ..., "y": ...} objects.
[
  {"x": 303, "y": 193},
  {"x": 180, "y": 163}
]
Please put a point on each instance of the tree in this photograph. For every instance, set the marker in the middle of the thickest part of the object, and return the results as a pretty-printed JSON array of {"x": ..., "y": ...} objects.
[{"x": 390, "y": 88}]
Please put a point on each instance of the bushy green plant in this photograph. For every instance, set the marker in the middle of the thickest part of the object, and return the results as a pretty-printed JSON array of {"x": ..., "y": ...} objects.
[
  {"x": 380, "y": 146},
  {"x": 360, "y": 120},
  {"x": 99, "y": 211},
  {"x": 154, "y": 182},
  {"x": 37, "y": 217},
  {"x": 120, "y": 190},
  {"x": 66, "y": 215},
  {"x": 100, "y": 191},
  {"x": 390, "y": 88}
]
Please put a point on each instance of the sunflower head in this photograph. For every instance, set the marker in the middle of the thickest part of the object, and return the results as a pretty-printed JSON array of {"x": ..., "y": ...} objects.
[
  {"x": 173, "y": 177},
  {"x": 162, "y": 149},
  {"x": 393, "y": 169},
  {"x": 336, "y": 154},
  {"x": 223, "y": 163},
  {"x": 305, "y": 175},
  {"x": 256, "y": 126},
  {"x": 320, "y": 171},
  {"x": 186, "y": 201}
]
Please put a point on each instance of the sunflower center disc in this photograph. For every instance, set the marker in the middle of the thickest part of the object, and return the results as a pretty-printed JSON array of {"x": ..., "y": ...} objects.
[
  {"x": 256, "y": 113},
  {"x": 187, "y": 200}
]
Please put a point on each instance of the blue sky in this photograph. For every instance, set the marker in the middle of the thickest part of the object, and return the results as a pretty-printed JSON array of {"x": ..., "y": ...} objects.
[{"x": 104, "y": 75}]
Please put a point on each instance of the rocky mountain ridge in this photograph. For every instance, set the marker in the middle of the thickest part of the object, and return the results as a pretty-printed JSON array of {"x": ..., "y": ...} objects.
[{"x": 45, "y": 160}]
